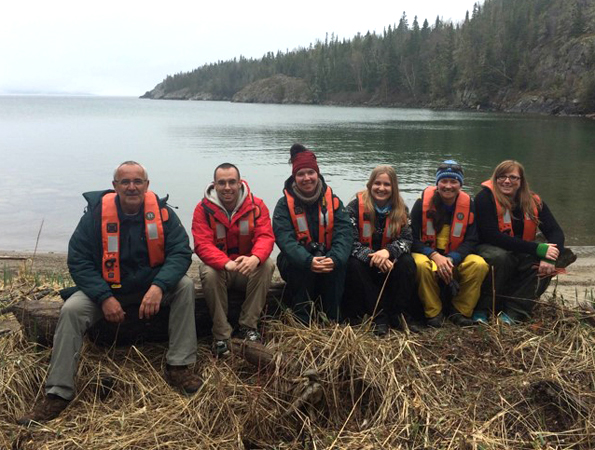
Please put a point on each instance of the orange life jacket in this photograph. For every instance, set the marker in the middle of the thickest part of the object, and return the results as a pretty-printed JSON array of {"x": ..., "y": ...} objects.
[
  {"x": 462, "y": 217},
  {"x": 505, "y": 218},
  {"x": 246, "y": 228},
  {"x": 326, "y": 217},
  {"x": 110, "y": 234},
  {"x": 366, "y": 227}
]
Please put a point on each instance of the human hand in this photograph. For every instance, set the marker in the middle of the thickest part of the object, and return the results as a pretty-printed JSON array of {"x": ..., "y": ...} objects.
[
  {"x": 322, "y": 264},
  {"x": 151, "y": 302},
  {"x": 552, "y": 252},
  {"x": 380, "y": 259},
  {"x": 247, "y": 264},
  {"x": 445, "y": 267},
  {"x": 112, "y": 310},
  {"x": 328, "y": 263},
  {"x": 546, "y": 269},
  {"x": 231, "y": 266}
]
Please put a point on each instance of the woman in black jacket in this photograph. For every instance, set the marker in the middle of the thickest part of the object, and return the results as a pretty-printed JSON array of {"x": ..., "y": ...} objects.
[
  {"x": 508, "y": 217},
  {"x": 380, "y": 253}
]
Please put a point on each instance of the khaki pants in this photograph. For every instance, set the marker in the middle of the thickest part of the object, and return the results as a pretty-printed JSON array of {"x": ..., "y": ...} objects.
[
  {"x": 215, "y": 284},
  {"x": 470, "y": 274},
  {"x": 79, "y": 313}
]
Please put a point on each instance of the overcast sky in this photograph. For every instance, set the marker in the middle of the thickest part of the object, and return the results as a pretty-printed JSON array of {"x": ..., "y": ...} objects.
[{"x": 126, "y": 47}]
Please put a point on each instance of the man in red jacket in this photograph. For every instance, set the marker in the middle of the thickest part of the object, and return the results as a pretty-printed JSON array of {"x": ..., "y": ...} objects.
[{"x": 233, "y": 238}]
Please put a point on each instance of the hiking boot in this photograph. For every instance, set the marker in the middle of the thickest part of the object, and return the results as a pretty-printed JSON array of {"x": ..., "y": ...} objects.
[
  {"x": 480, "y": 318},
  {"x": 47, "y": 409},
  {"x": 460, "y": 320},
  {"x": 220, "y": 348},
  {"x": 436, "y": 322},
  {"x": 249, "y": 334},
  {"x": 183, "y": 378}
]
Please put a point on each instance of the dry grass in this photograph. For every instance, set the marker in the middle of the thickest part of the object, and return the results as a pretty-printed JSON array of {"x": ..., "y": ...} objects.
[{"x": 525, "y": 387}]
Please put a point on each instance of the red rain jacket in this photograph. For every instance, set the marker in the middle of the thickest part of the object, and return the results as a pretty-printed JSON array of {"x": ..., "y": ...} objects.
[{"x": 203, "y": 231}]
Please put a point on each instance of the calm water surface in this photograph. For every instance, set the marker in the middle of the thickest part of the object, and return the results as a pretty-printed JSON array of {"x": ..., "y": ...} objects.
[{"x": 55, "y": 148}]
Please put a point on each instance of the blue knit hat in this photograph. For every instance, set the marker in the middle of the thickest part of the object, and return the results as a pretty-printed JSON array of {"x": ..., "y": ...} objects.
[{"x": 449, "y": 169}]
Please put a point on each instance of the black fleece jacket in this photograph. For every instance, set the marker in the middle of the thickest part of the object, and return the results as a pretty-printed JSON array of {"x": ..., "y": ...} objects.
[
  {"x": 396, "y": 248},
  {"x": 489, "y": 233}
]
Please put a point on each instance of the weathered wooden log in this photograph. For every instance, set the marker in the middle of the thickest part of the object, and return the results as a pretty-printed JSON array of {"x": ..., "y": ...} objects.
[
  {"x": 9, "y": 324},
  {"x": 253, "y": 352},
  {"x": 39, "y": 318}
]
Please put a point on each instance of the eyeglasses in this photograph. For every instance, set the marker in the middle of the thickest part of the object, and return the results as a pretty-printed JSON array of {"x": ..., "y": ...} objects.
[
  {"x": 126, "y": 182},
  {"x": 512, "y": 178}
]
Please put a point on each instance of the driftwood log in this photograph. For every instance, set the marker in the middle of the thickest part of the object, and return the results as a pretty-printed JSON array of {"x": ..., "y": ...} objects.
[{"x": 39, "y": 316}]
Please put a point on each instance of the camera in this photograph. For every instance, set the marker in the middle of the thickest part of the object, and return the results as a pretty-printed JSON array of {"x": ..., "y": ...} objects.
[{"x": 316, "y": 249}]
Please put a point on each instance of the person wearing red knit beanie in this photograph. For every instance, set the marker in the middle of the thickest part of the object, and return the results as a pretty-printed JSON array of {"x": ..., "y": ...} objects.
[{"x": 313, "y": 232}]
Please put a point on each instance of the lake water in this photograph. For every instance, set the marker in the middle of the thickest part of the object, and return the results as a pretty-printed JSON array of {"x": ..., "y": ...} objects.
[{"x": 55, "y": 148}]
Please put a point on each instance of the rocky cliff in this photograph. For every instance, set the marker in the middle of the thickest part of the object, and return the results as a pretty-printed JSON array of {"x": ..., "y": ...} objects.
[{"x": 276, "y": 89}]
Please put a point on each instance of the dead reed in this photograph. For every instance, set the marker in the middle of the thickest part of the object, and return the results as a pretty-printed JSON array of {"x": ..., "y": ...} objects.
[{"x": 523, "y": 387}]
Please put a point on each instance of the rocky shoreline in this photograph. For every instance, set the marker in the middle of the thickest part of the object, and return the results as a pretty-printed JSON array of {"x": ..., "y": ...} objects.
[
  {"x": 578, "y": 284},
  {"x": 282, "y": 89}
]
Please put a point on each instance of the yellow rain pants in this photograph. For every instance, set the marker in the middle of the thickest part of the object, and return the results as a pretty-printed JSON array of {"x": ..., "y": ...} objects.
[{"x": 470, "y": 274}]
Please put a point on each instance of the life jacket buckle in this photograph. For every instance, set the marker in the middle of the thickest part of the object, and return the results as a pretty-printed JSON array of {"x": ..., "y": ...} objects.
[{"x": 109, "y": 263}]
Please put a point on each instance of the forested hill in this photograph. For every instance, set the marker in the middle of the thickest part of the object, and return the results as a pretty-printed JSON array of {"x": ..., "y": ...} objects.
[{"x": 514, "y": 55}]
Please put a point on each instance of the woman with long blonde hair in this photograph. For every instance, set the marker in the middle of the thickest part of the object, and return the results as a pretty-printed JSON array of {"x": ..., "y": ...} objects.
[
  {"x": 509, "y": 215},
  {"x": 380, "y": 252}
]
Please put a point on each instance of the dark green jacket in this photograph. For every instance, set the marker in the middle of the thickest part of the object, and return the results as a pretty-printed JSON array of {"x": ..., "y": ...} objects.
[
  {"x": 85, "y": 253},
  {"x": 286, "y": 237}
]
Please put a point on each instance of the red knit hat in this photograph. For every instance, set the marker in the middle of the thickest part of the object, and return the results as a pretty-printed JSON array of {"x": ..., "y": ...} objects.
[{"x": 304, "y": 160}]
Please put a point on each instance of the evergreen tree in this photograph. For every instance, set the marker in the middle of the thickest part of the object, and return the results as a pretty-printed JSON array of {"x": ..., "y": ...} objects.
[{"x": 502, "y": 45}]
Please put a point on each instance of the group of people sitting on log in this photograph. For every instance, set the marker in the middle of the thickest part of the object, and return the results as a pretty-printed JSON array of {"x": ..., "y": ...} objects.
[{"x": 369, "y": 259}]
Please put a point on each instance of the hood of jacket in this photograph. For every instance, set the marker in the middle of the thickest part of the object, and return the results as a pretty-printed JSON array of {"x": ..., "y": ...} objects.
[
  {"x": 94, "y": 197},
  {"x": 212, "y": 197}
]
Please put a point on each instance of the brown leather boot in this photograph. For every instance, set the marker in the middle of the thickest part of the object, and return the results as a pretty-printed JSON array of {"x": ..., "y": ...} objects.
[
  {"x": 182, "y": 377},
  {"x": 48, "y": 408}
]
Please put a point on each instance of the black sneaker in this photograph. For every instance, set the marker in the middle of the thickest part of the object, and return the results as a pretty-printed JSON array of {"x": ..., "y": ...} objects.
[
  {"x": 249, "y": 334},
  {"x": 220, "y": 348},
  {"x": 460, "y": 320},
  {"x": 436, "y": 322}
]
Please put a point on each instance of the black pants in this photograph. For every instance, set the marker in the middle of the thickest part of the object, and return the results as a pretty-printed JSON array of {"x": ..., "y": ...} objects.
[
  {"x": 363, "y": 286},
  {"x": 515, "y": 279},
  {"x": 304, "y": 289}
]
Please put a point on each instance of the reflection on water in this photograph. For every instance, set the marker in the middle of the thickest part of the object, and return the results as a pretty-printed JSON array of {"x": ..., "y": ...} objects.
[{"x": 55, "y": 148}]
